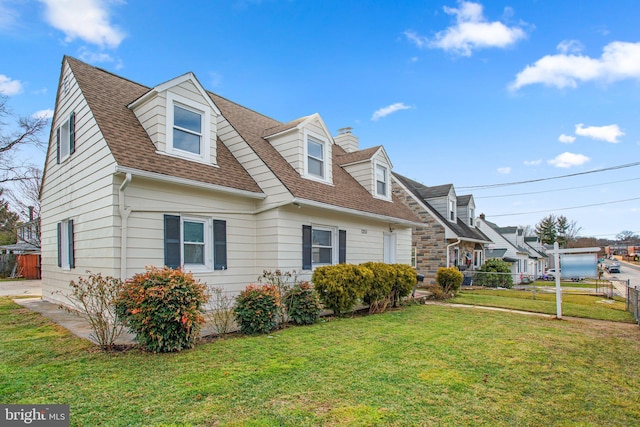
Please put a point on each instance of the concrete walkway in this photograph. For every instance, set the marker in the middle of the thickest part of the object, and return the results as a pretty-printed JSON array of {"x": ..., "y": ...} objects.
[{"x": 18, "y": 288}]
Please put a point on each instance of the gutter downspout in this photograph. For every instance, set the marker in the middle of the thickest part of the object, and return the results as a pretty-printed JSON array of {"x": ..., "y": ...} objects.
[
  {"x": 448, "y": 246},
  {"x": 124, "y": 215}
]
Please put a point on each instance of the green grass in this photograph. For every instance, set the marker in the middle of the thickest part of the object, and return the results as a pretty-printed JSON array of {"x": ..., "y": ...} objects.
[
  {"x": 423, "y": 365},
  {"x": 587, "y": 306}
]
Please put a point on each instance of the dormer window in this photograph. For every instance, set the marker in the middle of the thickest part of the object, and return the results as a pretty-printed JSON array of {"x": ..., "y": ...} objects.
[
  {"x": 471, "y": 216},
  {"x": 382, "y": 181},
  {"x": 315, "y": 158},
  {"x": 452, "y": 210},
  {"x": 188, "y": 128}
]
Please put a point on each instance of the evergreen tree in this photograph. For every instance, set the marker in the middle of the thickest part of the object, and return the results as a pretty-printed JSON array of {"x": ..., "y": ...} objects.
[
  {"x": 8, "y": 222},
  {"x": 546, "y": 230}
]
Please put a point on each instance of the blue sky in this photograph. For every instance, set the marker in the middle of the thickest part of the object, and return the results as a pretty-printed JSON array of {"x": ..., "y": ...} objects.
[{"x": 469, "y": 93}]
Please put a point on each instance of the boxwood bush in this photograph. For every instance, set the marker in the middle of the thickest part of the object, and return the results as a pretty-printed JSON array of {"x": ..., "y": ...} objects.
[
  {"x": 378, "y": 294},
  {"x": 406, "y": 280},
  {"x": 341, "y": 286},
  {"x": 449, "y": 279},
  {"x": 163, "y": 308}
]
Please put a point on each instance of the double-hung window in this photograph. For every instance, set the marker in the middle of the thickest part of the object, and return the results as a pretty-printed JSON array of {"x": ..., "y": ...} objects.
[
  {"x": 382, "y": 181},
  {"x": 452, "y": 210},
  {"x": 315, "y": 158},
  {"x": 323, "y": 246},
  {"x": 187, "y": 129},
  {"x": 471, "y": 217},
  {"x": 66, "y": 138},
  {"x": 195, "y": 243},
  {"x": 65, "y": 237}
]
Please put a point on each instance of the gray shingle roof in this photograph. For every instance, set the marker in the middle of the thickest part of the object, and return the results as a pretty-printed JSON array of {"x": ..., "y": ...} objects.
[{"x": 460, "y": 228}]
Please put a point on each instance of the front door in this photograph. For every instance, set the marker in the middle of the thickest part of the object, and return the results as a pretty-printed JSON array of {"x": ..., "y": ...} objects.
[{"x": 390, "y": 248}]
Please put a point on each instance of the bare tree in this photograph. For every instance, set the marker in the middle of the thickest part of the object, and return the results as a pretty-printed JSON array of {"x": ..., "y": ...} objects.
[
  {"x": 24, "y": 194},
  {"x": 25, "y": 131}
]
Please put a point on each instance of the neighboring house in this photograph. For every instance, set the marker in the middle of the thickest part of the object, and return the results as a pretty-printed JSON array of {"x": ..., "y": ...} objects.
[
  {"x": 176, "y": 175},
  {"x": 26, "y": 263},
  {"x": 508, "y": 245},
  {"x": 538, "y": 253},
  {"x": 448, "y": 235}
]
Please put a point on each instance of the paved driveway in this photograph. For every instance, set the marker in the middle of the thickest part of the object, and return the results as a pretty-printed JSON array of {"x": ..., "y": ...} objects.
[{"x": 17, "y": 288}]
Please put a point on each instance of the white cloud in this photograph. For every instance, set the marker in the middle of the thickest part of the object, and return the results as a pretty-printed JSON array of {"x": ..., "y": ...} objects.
[
  {"x": 567, "y": 160},
  {"x": 87, "y": 20},
  {"x": 385, "y": 111},
  {"x": 505, "y": 170},
  {"x": 8, "y": 86},
  {"x": 619, "y": 61},
  {"x": 533, "y": 162},
  {"x": 8, "y": 16},
  {"x": 471, "y": 31},
  {"x": 608, "y": 133},
  {"x": 569, "y": 46},
  {"x": 566, "y": 139},
  {"x": 43, "y": 114}
]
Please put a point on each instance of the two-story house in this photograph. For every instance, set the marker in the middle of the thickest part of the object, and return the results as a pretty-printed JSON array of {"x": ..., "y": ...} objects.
[
  {"x": 448, "y": 235},
  {"x": 176, "y": 175}
]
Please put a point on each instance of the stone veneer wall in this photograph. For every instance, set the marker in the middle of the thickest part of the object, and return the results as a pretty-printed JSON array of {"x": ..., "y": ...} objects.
[{"x": 429, "y": 240}]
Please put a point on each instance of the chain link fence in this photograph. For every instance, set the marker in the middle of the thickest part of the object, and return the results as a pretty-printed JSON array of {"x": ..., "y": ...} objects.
[{"x": 633, "y": 301}]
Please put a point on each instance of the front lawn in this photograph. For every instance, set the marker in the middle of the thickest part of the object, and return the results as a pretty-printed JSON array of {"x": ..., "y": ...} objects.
[
  {"x": 422, "y": 365},
  {"x": 588, "y": 306}
]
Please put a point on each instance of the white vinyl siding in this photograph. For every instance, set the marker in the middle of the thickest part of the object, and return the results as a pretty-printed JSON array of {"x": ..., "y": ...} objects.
[{"x": 74, "y": 190}]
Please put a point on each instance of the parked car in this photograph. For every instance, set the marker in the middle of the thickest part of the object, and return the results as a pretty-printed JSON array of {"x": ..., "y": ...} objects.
[
  {"x": 551, "y": 275},
  {"x": 613, "y": 268}
]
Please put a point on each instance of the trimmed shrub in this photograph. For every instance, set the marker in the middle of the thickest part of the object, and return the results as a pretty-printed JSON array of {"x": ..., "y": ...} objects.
[
  {"x": 95, "y": 297},
  {"x": 340, "y": 286},
  {"x": 256, "y": 309},
  {"x": 378, "y": 295},
  {"x": 449, "y": 279},
  {"x": 495, "y": 273},
  {"x": 164, "y": 308},
  {"x": 406, "y": 280},
  {"x": 303, "y": 304}
]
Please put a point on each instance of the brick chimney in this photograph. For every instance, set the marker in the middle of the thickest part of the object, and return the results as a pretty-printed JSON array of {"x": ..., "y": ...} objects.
[
  {"x": 348, "y": 141},
  {"x": 482, "y": 216}
]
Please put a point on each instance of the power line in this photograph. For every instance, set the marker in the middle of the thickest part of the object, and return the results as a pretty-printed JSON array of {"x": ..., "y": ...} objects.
[
  {"x": 564, "y": 209},
  {"x": 505, "y": 184},
  {"x": 556, "y": 189}
]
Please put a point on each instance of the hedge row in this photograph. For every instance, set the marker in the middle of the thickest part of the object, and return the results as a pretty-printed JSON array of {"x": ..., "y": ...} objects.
[{"x": 377, "y": 284}]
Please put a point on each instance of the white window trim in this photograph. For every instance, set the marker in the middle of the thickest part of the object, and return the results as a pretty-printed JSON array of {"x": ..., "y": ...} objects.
[
  {"x": 477, "y": 255},
  {"x": 65, "y": 142},
  {"x": 326, "y": 152},
  {"x": 472, "y": 220},
  {"x": 65, "y": 245},
  {"x": 451, "y": 206},
  {"x": 205, "y": 140},
  {"x": 335, "y": 256},
  {"x": 387, "y": 172},
  {"x": 208, "y": 244}
]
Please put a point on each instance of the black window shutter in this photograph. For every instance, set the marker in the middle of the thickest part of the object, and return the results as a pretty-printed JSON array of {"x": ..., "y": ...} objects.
[
  {"x": 72, "y": 255},
  {"x": 72, "y": 133},
  {"x": 219, "y": 244},
  {"x": 59, "y": 236},
  {"x": 306, "y": 247},
  {"x": 58, "y": 145},
  {"x": 172, "y": 241},
  {"x": 342, "y": 246}
]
